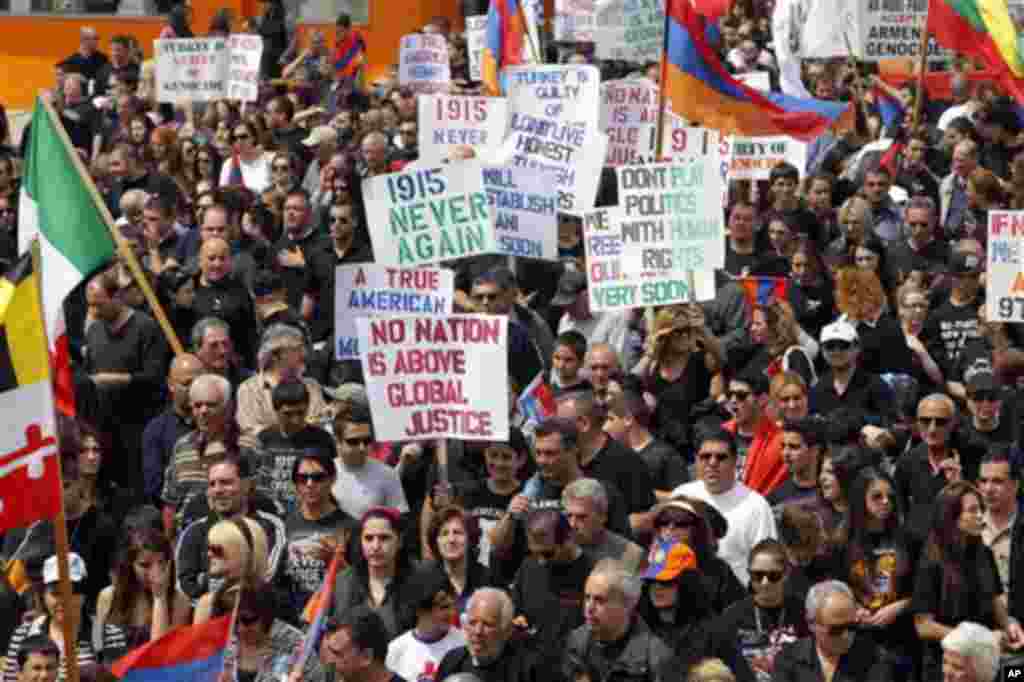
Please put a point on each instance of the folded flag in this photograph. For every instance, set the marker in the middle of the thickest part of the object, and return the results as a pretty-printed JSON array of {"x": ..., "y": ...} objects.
[
  {"x": 191, "y": 652},
  {"x": 699, "y": 88},
  {"x": 536, "y": 402},
  {"x": 762, "y": 291},
  {"x": 504, "y": 39},
  {"x": 981, "y": 29}
]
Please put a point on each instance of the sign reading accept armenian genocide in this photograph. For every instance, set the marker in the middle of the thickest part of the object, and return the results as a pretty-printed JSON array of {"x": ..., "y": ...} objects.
[
  {"x": 436, "y": 377},
  {"x": 753, "y": 158},
  {"x": 427, "y": 215},
  {"x": 369, "y": 289},
  {"x": 205, "y": 69},
  {"x": 553, "y": 125}
]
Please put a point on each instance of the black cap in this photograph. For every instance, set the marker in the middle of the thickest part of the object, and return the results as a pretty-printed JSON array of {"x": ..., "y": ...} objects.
[
  {"x": 961, "y": 263},
  {"x": 571, "y": 283}
]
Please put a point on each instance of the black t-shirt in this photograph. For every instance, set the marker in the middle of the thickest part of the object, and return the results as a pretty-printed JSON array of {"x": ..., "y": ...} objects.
[
  {"x": 487, "y": 507},
  {"x": 82, "y": 123},
  {"x": 760, "y": 633},
  {"x": 617, "y": 464},
  {"x": 303, "y": 568},
  {"x": 901, "y": 260},
  {"x": 675, "y": 400},
  {"x": 735, "y": 264},
  {"x": 275, "y": 455},
  {"x": 790, "y": 493},
  {"x": 668, "y": 471},
  {"x": 955, "y": 325}
]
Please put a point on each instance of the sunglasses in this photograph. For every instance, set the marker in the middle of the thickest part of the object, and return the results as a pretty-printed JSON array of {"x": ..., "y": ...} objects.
[
  {"x": 738, "y": 396},
  {"x": 316, "y": 477},
  {"x": 243, "y": 136},
  {"x": 358, "y": 442},
  {"x": 716, "y": 456},
  {"x": 760, "y": 576},
  {"x": 684, "y": 521},
  {"x": 836, "y": 346},
  {"x": 933, "y": 421},
  {"x": 216, "y": 551},
  {"x": 984, "y": 396}
]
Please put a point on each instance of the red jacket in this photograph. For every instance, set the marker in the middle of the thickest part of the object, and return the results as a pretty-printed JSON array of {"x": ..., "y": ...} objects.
[{"x": 764, "y": 470}]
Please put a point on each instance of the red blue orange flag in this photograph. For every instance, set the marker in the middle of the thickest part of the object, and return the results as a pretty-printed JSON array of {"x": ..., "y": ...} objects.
[
  {"x": 761, "y": 291},
  {"x": 537, "y": 401},
  {"x": 191, "y": 652},
  {"x": 315, "y": 613},
  {"x": 503, "y": 43},
  {"x": 350, "y": 55},
  {"x": 698, "y": 88}
]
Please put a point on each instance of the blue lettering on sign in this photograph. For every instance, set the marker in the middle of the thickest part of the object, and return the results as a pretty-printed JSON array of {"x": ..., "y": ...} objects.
[
  {"x": 517, "y": 246},
  {"x": 348, "y": 347}
]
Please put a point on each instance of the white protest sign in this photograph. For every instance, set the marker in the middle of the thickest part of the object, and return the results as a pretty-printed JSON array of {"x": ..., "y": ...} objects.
[
  {"x": 448, "y": 121},
  {"x": 525, "y": 211},
  {"x": 370, "y": 290},
  {"x": 753, "y": 158},
  {"x": 206, "y": 69},
  {"x": 553, "y": 125},
  {"x": 575, "y": 21},
  {"x": 476, "y": 37},
  {"x": 1005, "y": 274},
  {"x": 423, "y": 64},
  {"x": 629, "y": 30},
  {"x": 759, "y": 80},
  {"x": 892, "y": 29},
  {"x": 436, "y": 377},
  {"x": 629, "y": 116},
  {"x": 672, "y": 216},
  {"x": 614, "y": 284},
  {"x": 427, "y": 215}
]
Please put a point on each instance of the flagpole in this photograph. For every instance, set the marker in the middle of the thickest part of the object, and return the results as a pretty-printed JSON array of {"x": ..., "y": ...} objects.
[
  {"x": 922, "y": 67},
  {"x": 123, "y": 248},
  {"x": 72, "y": 617},
  {"x": 659, "y": 134},
  {"x": 529, "y": 36}
]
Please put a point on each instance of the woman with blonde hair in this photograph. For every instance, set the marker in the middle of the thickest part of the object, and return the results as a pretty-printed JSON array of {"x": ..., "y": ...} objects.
[
  {"x": 237, "y": 553},
  {"x": 854, "y": 227},
  {"x": 710, "y": 670},
  {"x": 860, "y": 299},
  {"x": 680, "y": 358}
]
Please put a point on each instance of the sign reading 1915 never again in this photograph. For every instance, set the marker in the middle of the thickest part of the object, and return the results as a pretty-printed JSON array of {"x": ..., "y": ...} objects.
[{"x": 427, "y": 215}]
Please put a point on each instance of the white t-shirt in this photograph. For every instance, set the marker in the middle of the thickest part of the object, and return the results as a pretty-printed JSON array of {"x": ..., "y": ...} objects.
[
  {"x": 374, "y": 485},
  {"x": 255, "y": 174},
  {"x": 414, "y": 660},
  {"x": 750, "y": 521},
  {"x": 955, "y": 111}
]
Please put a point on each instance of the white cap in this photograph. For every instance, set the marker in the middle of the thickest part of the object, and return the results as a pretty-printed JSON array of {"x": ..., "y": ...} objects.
[
  {"x": 76, "y": 568},
  {"x": 839, "y": 331}
]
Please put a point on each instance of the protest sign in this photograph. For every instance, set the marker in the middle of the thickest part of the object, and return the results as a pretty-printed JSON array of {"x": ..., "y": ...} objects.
[
  {"x": 553, "y": 125},
  {"x": 672, "y": 216},
  {"x": 369, "y": 290},
  {"x": 623, "y": 272},
  {"x": 630, "y": 30},
  {"x": 206, "y": 69},
  {"x": 427, "y": 215},
  {"x": 423, "y": 63},
  {"x": 892, "y": 29},
  {"x": 629, "y": 116},
  {"x": 525, "y": 214},
  {"x": 448, "y": 121},
  {"x": 436, "y": 377},
  {"x": 752, "y": 158},
  {"x": 476, "y": 36},
  {"x": 1005, "y": 272}
]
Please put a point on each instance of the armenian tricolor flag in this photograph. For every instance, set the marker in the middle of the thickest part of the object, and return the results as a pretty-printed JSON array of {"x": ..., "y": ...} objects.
[
  {"x": 503, "y": 42},
  {"x": 317, "y": 609},
  {"x": 537, "y": 401},
  {"x": 981, "y": 29},
  {"x": 761, "y": 291},
  {"x": 889, "y": 108},
  {"x": 350, "y": 55},
  {"x": 192, "y": 652},
  {"x": 699, "y": 89}
]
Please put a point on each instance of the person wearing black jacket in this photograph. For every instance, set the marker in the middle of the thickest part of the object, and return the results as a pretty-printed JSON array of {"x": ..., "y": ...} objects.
[{"x": 219, "y": 294}]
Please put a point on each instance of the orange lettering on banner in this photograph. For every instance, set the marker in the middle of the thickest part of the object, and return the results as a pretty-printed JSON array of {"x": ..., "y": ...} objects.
[{"x": 1018, "y": 284}]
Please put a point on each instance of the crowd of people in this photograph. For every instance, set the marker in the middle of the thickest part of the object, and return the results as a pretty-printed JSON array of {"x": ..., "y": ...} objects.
[{"x": 822, "y": 486}]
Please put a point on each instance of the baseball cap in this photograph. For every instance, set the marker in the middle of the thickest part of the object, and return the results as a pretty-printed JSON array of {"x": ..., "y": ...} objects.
[
  {"x": 76, "y": 569},
  {"x": 319, "y": 135},
  {"x": 570, "y": 284},
  {"x": 668, "y": 559},
  {"x": 961, "y": 263},
  {"x": 839, "y": 331}
]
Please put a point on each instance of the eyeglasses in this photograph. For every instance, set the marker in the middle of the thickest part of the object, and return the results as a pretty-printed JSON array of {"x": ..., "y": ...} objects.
[
  {"x": 839, "y": 629},
  {"x": 717, "y": 456},
  {"x": 984, "y": 396},
  {"x": 307, "y": 479},
  {"x": 685, "y": 521},
  {"x": 738, "y": 396},
  {"x": 938, "y": 422},
  {"x": 358, "y": 442},
  {"x": 216, "y": 551},
  {"x": 836, "y": 346},
  {"x": 486, "y": 297},
  {"x": 918, "y": 224},
  {"x": 760, "y": 576}
]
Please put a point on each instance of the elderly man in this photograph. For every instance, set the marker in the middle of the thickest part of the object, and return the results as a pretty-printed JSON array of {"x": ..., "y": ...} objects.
[
  {"x": 970, "y": 653},
  {"x": 211, "y": 342},
  {"x": 163, "y": 431},
  {"x": 490, "y": 652},
  {"x": 834, "y": 652},
  {"x": 586, "y": 505},
  {"x": 614, "y": 637},
  {"x": 604, "y": 371},
  {"x": 953, "y": 189},
  {"x": 920, "y": 251}
]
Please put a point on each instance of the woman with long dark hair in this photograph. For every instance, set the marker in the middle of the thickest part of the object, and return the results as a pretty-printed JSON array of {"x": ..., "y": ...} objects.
[
  {"x": 878, "y": 561},
  {"x": 454, "y": 538},
  {"x": 957, "y": 578},
  {"x": 379, "y": 572}
]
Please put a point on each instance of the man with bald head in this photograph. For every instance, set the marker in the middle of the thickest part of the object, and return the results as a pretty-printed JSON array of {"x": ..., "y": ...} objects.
[
  {"x": 374, "y": 154},
  {"x": 924, "y": 471},
  {"x": 124, "y": 361},
  {"x": 953, "y": 189},
  {"x": 220, "y": 293},
  {"x": 164, "y": 430},
  {"x": 604, "y": 369}
]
